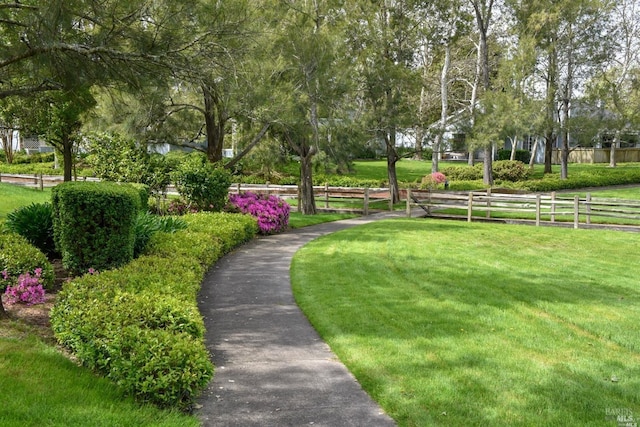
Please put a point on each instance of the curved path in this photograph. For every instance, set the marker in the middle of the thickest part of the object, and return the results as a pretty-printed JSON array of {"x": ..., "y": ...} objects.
[{"x": 272, "y": 368}]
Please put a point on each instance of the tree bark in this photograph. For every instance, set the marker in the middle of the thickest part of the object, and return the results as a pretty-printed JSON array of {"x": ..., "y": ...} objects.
[
  {"x": 67, "y": 158},
  {"x": 444, "y": 107},
  {"x": 215, "y": 120},
  {"x": 392, "y": 159},
  {"x": 612, "y": 152},
  {"x": 534, "y": 152},
  {"x": 3, "y": 312},
  {"x": 308, "y": 201}
]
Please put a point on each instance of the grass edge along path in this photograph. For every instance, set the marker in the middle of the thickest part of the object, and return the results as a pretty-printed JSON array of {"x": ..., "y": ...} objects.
[
  {"x": 449, "y": 323},
  {"x": 43, "y": 387}
]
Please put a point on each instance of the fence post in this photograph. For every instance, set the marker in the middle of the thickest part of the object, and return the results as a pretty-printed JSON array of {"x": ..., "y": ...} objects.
[
  {"x": 553, "y": 206},
  {"x": 238, "y": 189},
  {"x": 470, "y": 206},
  {"x": 488, "y": 202},
  {"x": 326, "y": 195},
  {"x": 0, "y": 177},
  {"x": 41, "y": 183},
  {"x": 365, "y": 208},
  {"x": 538, "y": 200},
  {"x": 36, "y": 184},
  {"x": 408, "y": 203},
  {"x": 576, "y": 211},
  {"x": 588, "y": 208}
]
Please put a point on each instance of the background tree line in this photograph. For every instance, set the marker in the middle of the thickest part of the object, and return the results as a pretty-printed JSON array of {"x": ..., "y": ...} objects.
[{"x": 320, "y": 78}]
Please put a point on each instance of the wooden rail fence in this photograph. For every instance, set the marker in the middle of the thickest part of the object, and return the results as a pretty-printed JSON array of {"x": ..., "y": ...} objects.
[
  {"x": 537, "y": 207},
  {"x": 472, "y": 205},
  {"x": 360, "y": 200}
]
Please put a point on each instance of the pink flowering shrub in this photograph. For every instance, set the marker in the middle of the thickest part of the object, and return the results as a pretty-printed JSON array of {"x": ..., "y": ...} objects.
[
  {"x": 271, "y": 212},
  {"x": 431, "y": 181},
  {"x": 28, "y": 290}
]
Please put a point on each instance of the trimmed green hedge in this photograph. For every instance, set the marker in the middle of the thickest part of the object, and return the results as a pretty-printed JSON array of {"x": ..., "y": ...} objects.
[
  {"x": 139, "y": 325},
  {"x": 94, "y": 224}
]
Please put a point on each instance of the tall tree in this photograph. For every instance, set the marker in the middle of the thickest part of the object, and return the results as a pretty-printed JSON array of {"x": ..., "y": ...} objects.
[
  {"x": 305, "y": 79},
  {"x": 384, "y": 40},
  {"x": 483, "y": 10},
  {"x": 614, "y": 90},
  {"x": 57, "y": 117}
]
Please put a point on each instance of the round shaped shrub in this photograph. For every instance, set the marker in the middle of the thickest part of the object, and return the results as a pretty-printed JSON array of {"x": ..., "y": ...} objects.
[
  {"x": 204, "y": 185},
  {"x": 17, "y": 257},
  {"x": 271, "y": 212},
  {"x": 510, "y": 170}
]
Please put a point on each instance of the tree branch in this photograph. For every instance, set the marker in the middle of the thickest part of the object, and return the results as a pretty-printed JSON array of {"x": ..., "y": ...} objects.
[{"x": 248, "y": 148}]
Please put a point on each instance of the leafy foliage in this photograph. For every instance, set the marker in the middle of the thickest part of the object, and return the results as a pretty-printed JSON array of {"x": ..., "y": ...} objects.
[
  {"x": 34, "y": 222},
  {"x": 139, "y": 325},
  {"x": 147, "y": 225},
  {"x": 119, "y": 159},
  {"x": 271, "y": 212},
  {"x": 18, "y": 256},
  {"x": 510, "y": 170},
  {"x": 93, "y": 224},
  {"x": 203, "y": 185}
]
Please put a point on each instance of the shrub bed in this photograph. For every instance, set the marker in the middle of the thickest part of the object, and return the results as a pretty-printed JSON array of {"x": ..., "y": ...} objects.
[{"x": 139, "y": 325}]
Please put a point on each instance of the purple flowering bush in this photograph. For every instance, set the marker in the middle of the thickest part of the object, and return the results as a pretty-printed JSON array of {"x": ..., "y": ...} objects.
[
  {"x": 271, "y": 212},
  {"x": 28, "y": 290}
]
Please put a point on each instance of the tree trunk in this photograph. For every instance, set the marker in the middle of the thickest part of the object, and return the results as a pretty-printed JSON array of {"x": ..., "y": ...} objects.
[
  {"x": 514, "y": 148},
  {"x": 534, "y": 153},
  {"x": 308, "y": 201},
  {"x": 612, "y": 152},
  {"x": 3, "y": 312},
  {"x": 392, "y": 159},
  {"x": 552, "y": 88},
  {"x": 214, "y": 119},
  {"x": 444, "y": 108},
  {"x": 67, "y": 158},
  {"x": 7, "y": 144},
  {"x": 487, "y": 169},
  {"x": 548, "y": 152}
]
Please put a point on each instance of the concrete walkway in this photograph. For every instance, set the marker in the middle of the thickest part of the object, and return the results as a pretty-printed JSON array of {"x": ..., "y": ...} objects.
[{"x": 272, "y": 368}]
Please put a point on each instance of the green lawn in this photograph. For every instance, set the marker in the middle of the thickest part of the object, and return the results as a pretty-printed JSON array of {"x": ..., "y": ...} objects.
[
  {"x": 41, "y": 387},
  {"x": 13, "y": 196},
  {"x": 449, "y": 323}
]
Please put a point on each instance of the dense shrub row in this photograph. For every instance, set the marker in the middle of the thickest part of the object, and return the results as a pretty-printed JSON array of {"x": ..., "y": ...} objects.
[
  {"x": 139, "y": 325},
  {"x": 505, "y": 170}
]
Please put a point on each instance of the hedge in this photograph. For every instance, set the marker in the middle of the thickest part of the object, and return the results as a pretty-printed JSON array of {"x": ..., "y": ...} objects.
[
  {"x": 139, "y": 325},
  {"x": 93, "y": 224}
]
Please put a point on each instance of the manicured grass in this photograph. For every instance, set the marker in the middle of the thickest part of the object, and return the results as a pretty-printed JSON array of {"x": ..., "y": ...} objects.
[
  {"x": 297, "y": 220},
  {"x": 449, "y": 323},
  {"x": 42, "y": 387},
  {"x": 14, "y": 196}
]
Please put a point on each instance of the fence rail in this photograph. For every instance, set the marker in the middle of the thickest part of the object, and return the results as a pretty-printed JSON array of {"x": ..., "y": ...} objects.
[
  {"x": 549, "y": 208},
  {"x": 346, "y": 199}
]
